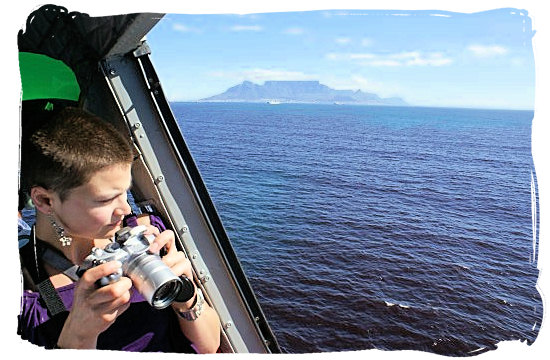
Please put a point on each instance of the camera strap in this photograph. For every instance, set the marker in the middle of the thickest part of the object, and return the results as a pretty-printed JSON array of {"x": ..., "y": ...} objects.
[
  {"x": 61, "y": 263},
  {"x": 53, "y": 302},
  {"x": 43, "y": 251}
]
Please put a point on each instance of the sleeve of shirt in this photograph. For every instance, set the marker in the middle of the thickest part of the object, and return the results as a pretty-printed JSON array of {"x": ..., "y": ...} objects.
[
  {"x": 36, "y": 326},
  {"x": 156, "y": 221}
]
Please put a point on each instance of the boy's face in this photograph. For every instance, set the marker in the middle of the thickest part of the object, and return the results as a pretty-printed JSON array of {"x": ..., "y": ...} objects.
[{"x": 95, "y": 210}]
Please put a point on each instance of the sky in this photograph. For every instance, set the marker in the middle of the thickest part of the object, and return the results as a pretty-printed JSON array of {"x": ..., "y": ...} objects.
[{"x": 429, "y": 58}]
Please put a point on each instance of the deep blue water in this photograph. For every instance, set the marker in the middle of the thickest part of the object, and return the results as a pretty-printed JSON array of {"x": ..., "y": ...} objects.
[{"x": 377, "y": 227}]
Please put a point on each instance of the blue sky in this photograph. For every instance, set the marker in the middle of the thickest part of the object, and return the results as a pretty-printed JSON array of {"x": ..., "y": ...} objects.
[{"x": 429, "y": 58}]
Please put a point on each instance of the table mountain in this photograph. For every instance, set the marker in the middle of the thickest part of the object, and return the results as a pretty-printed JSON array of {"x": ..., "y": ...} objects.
[{"x": 299, "y": 92}]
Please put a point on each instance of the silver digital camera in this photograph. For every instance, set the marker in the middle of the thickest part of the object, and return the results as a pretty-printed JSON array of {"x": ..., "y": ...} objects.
[{"x": 150, "y": 276}]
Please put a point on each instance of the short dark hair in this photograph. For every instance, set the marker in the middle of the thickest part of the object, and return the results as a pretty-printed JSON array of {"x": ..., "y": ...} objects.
[{"x": 68, "y": 149}]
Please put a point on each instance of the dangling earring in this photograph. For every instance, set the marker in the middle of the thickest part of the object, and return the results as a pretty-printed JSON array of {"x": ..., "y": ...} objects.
[{"x": 60, "y": 231}]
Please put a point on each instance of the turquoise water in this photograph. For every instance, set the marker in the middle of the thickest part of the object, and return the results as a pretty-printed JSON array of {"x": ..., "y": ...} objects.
[{"x": 377, "y": 227}]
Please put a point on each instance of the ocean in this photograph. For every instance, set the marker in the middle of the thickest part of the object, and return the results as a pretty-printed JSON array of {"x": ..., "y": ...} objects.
[{"x": 364, "y": 227}]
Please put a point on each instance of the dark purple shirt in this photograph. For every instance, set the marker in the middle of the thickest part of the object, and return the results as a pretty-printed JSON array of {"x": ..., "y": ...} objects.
[{"x": 139, "y": 328}]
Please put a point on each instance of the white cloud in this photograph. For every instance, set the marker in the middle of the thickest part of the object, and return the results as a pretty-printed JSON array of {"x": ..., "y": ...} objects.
[
  {"x": 342, "y": 40},
  {"x": 350, "y": 56},
  {"x": 384, "y": 63},
  {"x": 184, "y": 28},
  {"x": 259, "y": 75},
  {"x": 366, "y": 42},
  {"x": 408, "y": 58},
  {"x": 485, "y": 51},
  {"x": 246, "y": 28},
  {"x": 518, "y": 61},
  {"x": 294, "y": 31},
  {"x": 359, "y": 82},
  {"x": 415, "y": 58}
]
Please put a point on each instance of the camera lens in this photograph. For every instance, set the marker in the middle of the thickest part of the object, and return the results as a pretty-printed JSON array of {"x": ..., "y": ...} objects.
[
  {"x": 165, "y": 294},
  {"x": 154, "y": 280}
]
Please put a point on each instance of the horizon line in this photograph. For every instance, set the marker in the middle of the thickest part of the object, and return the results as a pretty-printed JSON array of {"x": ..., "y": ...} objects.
[{"x": 466, "y": 107}]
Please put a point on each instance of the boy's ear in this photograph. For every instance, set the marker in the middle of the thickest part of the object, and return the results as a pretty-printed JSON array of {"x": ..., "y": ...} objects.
[{"x": 42, "y": 199}]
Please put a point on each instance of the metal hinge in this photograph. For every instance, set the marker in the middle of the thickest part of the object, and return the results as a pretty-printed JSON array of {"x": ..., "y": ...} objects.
[{"x": 141, "y": 50}]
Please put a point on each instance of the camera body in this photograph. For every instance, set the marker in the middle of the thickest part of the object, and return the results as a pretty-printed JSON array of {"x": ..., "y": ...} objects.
[{"x": 149, "y": 275}]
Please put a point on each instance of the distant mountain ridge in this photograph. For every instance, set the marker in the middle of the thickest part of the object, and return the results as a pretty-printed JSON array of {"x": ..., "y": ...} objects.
[{"x": 299, "y": 92}]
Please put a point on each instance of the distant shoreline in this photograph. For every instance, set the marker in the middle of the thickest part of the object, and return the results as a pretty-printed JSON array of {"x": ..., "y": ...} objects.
[
  {"x": 200, "y": 101},
  {"x": 289, "y": 91}
]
